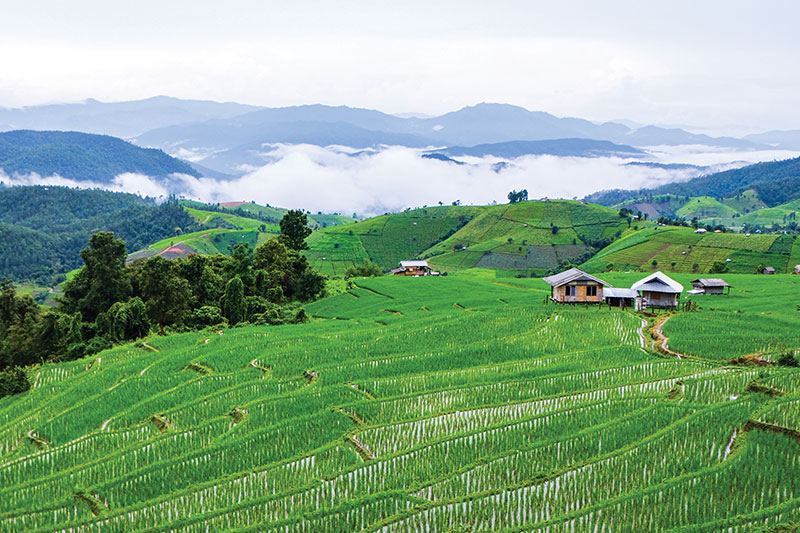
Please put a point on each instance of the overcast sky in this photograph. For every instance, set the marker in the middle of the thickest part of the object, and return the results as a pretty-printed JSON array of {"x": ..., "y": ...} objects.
[{"x": 723, "y": 65}]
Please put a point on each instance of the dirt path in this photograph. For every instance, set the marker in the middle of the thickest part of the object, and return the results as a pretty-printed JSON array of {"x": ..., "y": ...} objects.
[
  {"x": 662, "y": 341},
  {"x": 208, "y": 217}
]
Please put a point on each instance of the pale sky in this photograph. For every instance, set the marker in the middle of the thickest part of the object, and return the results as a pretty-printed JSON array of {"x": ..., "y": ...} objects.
[{"x": 724, "y": 65}]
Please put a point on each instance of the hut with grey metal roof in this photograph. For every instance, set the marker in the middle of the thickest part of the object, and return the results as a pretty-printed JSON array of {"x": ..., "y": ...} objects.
[
  {"x": 575, "y": 286},
  {"x": 621, "y": 297},
  {"x": 658, "y": 290},
  {"x": 710, "y": 286}
]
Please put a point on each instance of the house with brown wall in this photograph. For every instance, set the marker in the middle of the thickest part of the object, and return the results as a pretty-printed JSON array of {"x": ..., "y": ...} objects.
[{"x": 575, "y": 286}]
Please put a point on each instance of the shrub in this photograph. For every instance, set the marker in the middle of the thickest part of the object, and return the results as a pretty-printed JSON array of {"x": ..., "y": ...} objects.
[
  {"x": 367, "y": 269},
  {"x": 13, "y": 381},
  {"x": 788, "y": 359},
  {"x": 205, "y": 316}
]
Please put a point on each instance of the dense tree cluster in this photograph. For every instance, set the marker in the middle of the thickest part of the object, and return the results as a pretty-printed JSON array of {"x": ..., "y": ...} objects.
[
  {"x": 108, "y": 302},
  {"x": 518, "y": 196}
]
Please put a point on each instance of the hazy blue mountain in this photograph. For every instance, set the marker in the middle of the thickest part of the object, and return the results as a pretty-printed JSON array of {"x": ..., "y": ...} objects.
[
  {"x": 120, "y": 119},
  {"x": 473, "y": 125},
  {"x": 441, "y": 157},
  {"x": 785, "y": 140},
  {"x": 655, "y": 136},
  {"x": 82, "y": 156},
  {"x": 666, "y": 166},
  {"x": 239, "y": 141},
  {"x": 557, "y": 147},
  {"x": 493, "y": 123}
]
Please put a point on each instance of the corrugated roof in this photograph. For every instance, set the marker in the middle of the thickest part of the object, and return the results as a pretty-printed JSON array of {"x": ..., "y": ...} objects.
[
  {"x": 658, "y": 282},
  {"x": 573, "y": 274},
  {"x": 711, "y": 282},
  {"x": 406, "y": 264},
  {"x": 619, "y": 293}
]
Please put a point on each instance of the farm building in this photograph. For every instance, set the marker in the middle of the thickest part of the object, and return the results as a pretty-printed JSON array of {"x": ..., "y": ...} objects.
[
  {"x": 709, "y": 286},
  {"x": 768, "y": 270},
  {"x": 414, "y": 268},
  {"x": 797, "y": 269},
  {"x": 575, "y": 286},
  {"x": 658, "y": 290},
  {"x": 700, "y": 230},
  {"x": 621, "y": 297}
]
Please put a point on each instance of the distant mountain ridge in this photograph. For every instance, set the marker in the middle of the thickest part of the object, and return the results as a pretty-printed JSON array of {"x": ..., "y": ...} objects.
[
  {"x": 82, "y": 156},
  {"x": 775, "y": 182},
  {"x": 224, "y": 136},
  {"x": 556, "y": 147},
  {"x": 120, "y": 119}
]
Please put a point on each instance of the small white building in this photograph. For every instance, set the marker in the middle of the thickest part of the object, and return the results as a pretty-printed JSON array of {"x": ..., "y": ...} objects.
[
  {"x": 700, "y": 230},
  {"x": 658, "y": 290}
]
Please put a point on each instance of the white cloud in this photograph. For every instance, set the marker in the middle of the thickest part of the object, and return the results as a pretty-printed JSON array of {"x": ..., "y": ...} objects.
[{"x": 330, "y": 180}]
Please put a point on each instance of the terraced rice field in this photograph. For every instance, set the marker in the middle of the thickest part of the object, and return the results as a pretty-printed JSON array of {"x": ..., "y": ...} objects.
[
  {"x": 417, "y": 404},
  {"x": 676, "y": 249}
]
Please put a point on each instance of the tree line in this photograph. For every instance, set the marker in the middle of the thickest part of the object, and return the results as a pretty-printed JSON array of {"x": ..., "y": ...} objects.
[{"x": 109, "y": 302}]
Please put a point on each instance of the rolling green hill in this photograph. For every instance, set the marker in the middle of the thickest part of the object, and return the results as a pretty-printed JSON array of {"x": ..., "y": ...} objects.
[
  {"x": 430, "y": 404},
  {"x": 527, "y": 237},
  {"x": 780, "y": 214},
  {"x": 269, "y": 214},
  {"x": 705, "y": 207},
  {"x": 678, "y": 249}
]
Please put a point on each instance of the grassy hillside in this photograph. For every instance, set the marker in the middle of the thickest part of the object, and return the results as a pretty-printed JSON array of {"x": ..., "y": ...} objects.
[
  {"x": 219, "y": 231},
  {"x": 517, "y": 236},
  {"x": 437, "y": 404},
  {"x": 272, "y": 215},
  {"x": 677, "y": 249},
  {"x": 780, "y": 214},
  {"x": 705, "y": 207}
]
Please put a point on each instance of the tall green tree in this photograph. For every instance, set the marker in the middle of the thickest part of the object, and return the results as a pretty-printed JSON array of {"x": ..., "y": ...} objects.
[
  {"x": 294, "y": 230},
  {"x": 165, "y": 293},
  {"x": 102, "y": 281},
  {"x": 234, "y": 306}
]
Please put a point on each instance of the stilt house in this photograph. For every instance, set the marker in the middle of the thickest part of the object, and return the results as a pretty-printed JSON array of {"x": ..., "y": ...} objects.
[
  {"x": 710, "y": 286},
  {"x": 575, "y": 286},
  {"x": 658, "y": 290}
]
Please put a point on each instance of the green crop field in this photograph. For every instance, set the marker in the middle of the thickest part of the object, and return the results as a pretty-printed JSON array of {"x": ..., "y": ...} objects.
[
  {"x": 517, "y": 236},
  {"x": 458, "y": 403},
  {"x": 677, "y": 249}
]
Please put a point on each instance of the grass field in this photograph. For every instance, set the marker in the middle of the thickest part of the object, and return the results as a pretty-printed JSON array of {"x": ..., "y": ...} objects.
[{"x": 419, "y": 404}]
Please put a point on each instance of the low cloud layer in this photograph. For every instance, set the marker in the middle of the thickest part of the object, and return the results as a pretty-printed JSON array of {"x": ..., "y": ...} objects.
[{"x": 331, "y": 180}]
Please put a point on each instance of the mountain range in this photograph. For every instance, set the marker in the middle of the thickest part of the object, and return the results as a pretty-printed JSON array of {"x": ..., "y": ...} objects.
[{"x": 227, "y": 137}]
